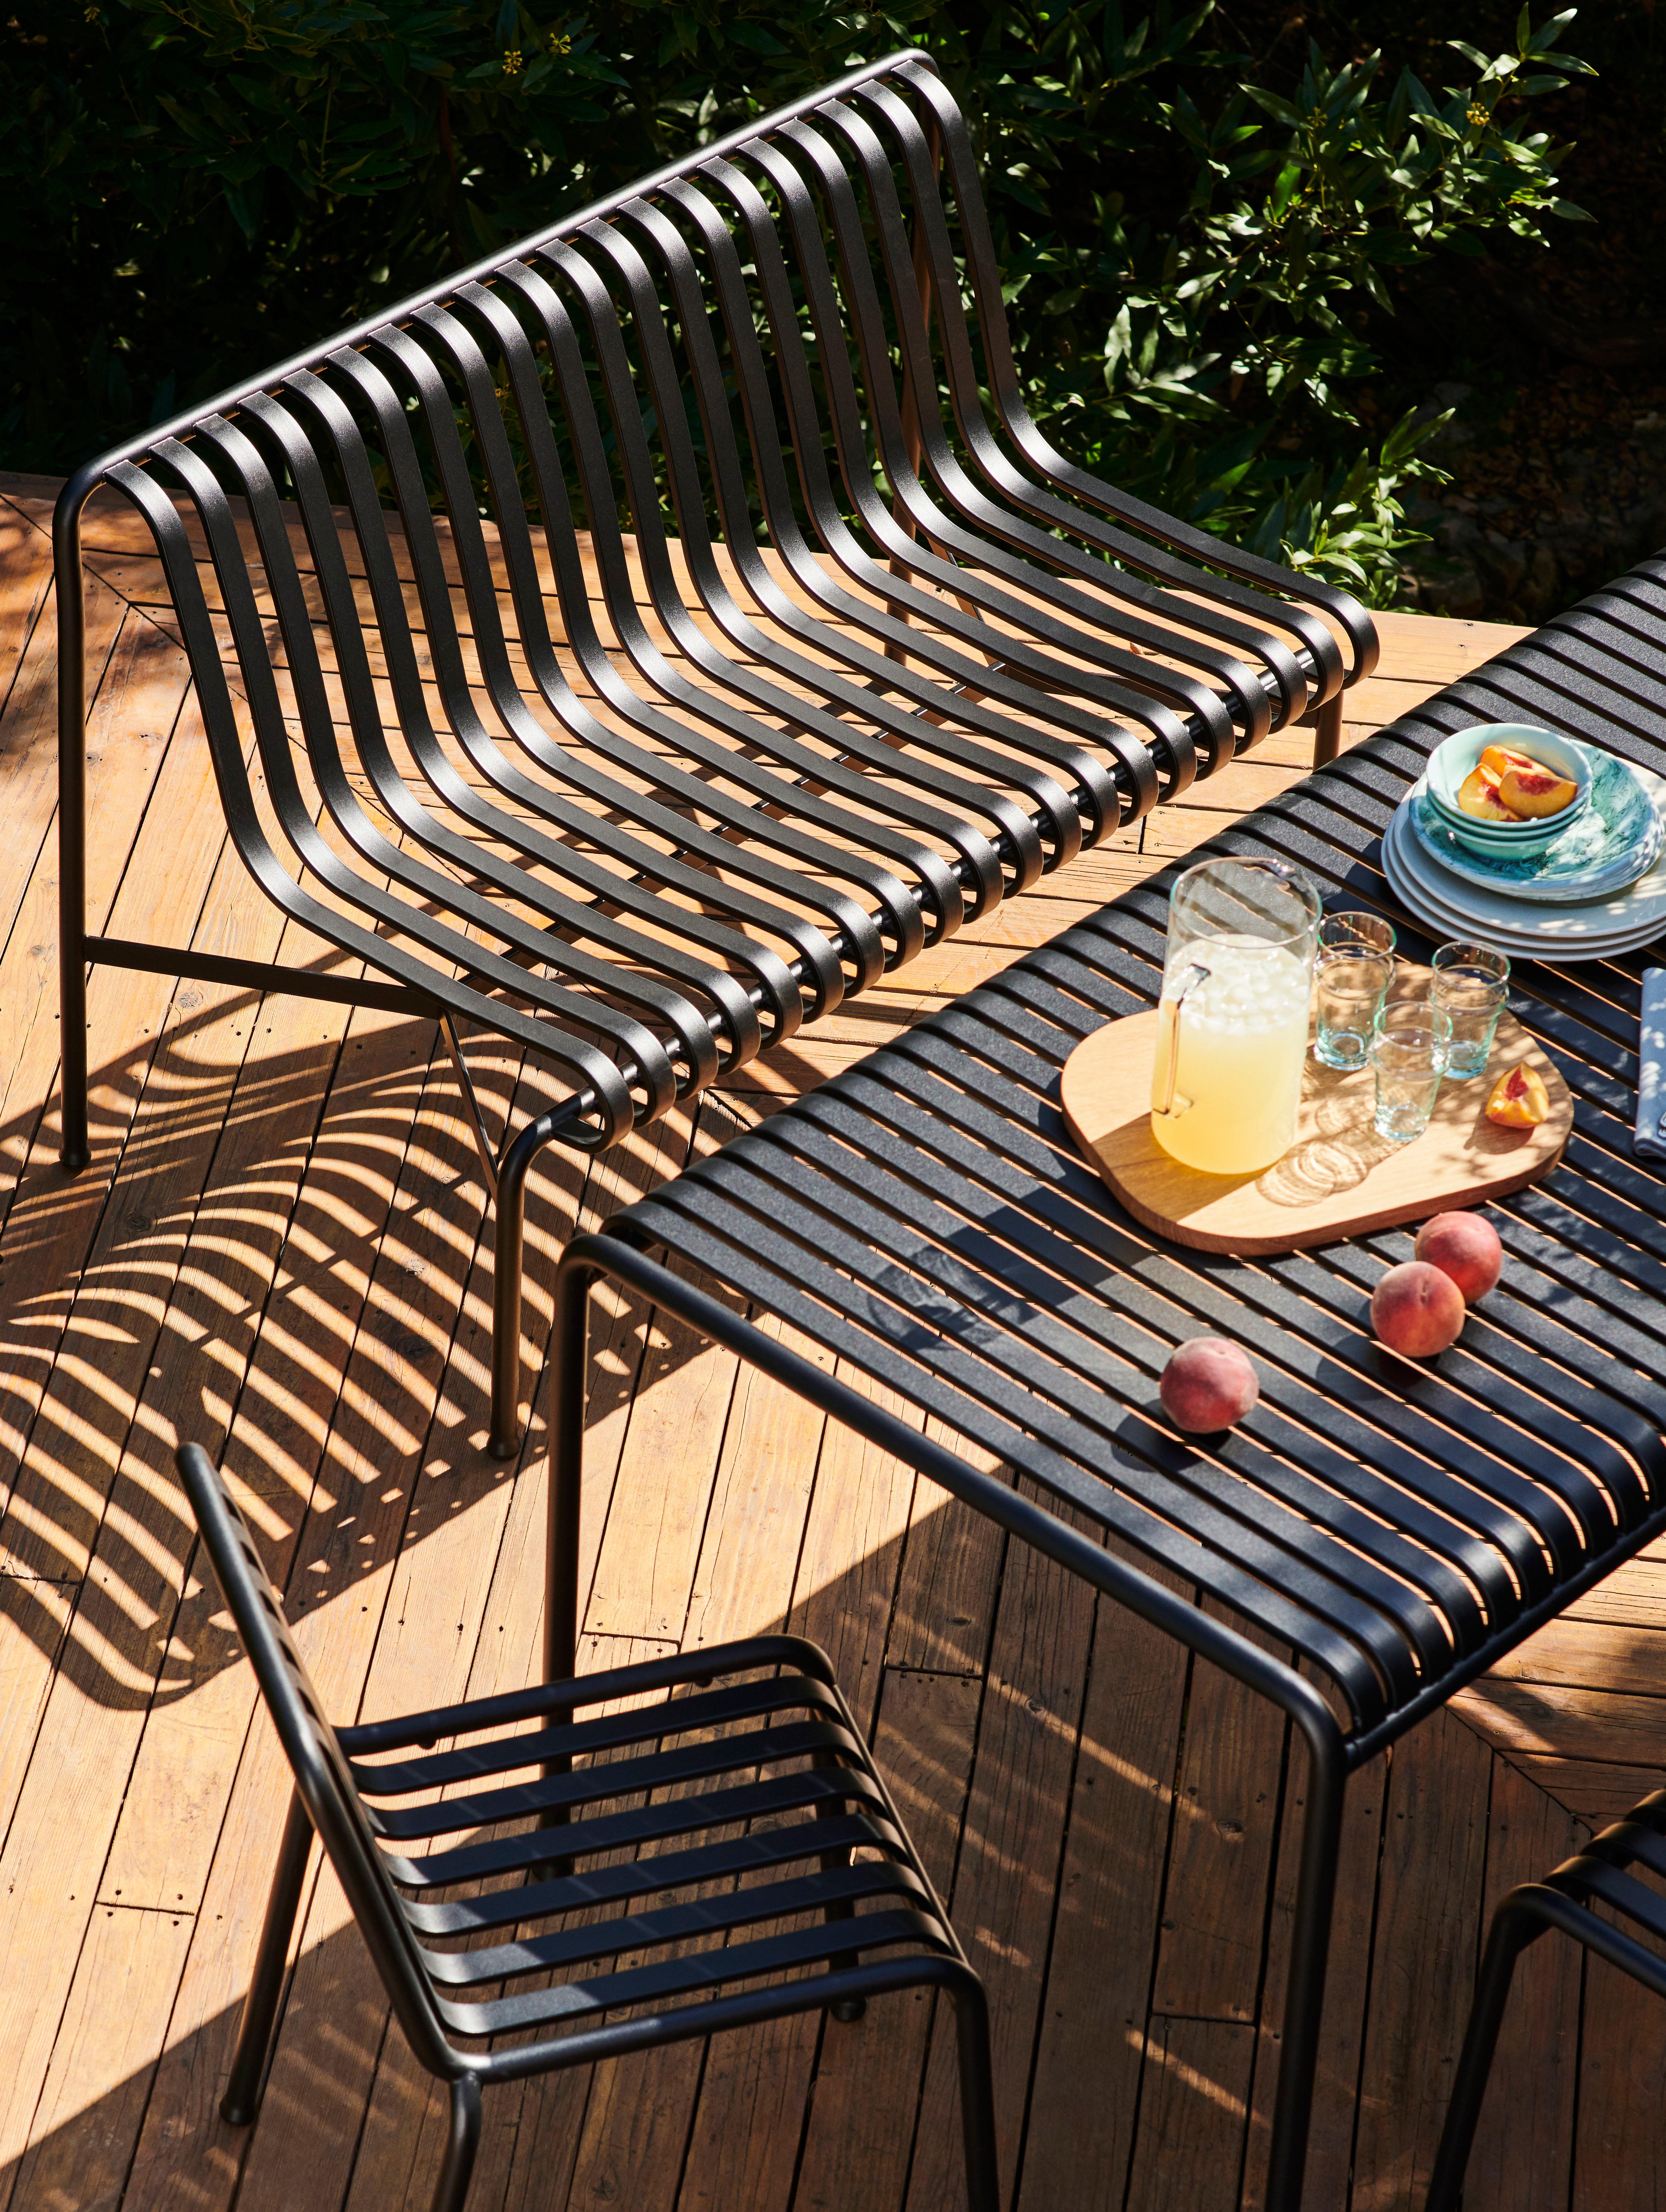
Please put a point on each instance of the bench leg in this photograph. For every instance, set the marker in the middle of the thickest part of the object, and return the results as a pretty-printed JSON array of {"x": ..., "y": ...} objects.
[
  {"x": 74, "y": 1150},
  {"x": 1328, "y": 731},
  {"x": 569, "y": 1360},
  {"x": 508, "y": 1259}
]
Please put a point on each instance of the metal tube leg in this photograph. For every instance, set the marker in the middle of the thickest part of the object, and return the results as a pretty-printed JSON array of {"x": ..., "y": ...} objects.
[
  {"x": 570, "y": 1362},
  {"x": 451, "y": 2189},
  {"x": 1310, "y": 1951},
  {"x": 73, "y": 1148},
  {"x": 977, "y": 2095},
  {"x": 241, "y": 2102},
  {"x": 847, "y": 2010},
  {"x": 1510, "y": 1934},
  {"x": 1328, "y": 731},
  {"x": 507, "y": 1260}
]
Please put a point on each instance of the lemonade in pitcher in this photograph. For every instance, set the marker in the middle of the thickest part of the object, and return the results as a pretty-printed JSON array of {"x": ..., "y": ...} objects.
[{"x": 1231, "y": 1037}]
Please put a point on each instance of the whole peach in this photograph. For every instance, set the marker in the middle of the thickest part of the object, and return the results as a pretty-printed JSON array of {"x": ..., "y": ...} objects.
[
  {"x": 1417, "y": 1310},
  {"x": 1464, "y": 1247},
  {"x": 1207, "y": 1384}
]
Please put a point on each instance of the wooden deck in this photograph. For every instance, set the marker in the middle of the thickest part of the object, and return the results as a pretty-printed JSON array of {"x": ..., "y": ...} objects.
[{"x": 277, "y": 1251}]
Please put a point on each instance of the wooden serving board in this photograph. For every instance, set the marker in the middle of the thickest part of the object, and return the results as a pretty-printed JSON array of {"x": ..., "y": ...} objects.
[{"x": 1339, "y": 1178}]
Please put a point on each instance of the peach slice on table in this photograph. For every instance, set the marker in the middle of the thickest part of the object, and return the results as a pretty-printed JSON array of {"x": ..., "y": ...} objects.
[
  {"x": 1519, "y": 1100},
  {"x": 1533, "y": 792},
  {"x": 1478, "y": 796}
]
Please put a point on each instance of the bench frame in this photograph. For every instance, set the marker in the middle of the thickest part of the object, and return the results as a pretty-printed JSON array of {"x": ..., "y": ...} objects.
[{"x": 1256, "y": 678}]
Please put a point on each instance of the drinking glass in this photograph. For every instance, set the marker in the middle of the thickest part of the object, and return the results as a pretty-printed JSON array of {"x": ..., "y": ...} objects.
[
  {"x": 1354, "y": 928},
  {"x": 1232, "y": 1033},
  {"x": 1409, "y": 1052},
  {"x": 1471, "y": 984},
  {"x": 1352, "y": 983}
]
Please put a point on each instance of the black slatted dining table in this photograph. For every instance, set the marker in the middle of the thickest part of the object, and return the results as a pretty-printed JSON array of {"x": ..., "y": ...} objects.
[{"x": 1390, "y": 1528}]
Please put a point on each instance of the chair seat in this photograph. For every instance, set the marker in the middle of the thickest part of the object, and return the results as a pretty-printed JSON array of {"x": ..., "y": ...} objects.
[{"x": 726, "y": 1830}]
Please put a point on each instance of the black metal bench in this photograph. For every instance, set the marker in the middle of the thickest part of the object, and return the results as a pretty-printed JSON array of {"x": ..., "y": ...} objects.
[
  {"x": 642, "y": 802},
  {"x": 1388, "y": 1531}
]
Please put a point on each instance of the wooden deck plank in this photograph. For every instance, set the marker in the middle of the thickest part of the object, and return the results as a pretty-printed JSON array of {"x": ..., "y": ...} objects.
[
  {"x": 849, "y": 1563},
  {"x": 1523, "y": 2150},
  {"x": 26, "y": 589},
  {"x": 1006, "y": 1877},
  {"x": 312, "y": 1226},
  {"x": 57, "y": 1526},
  {"x": 1210, "y": 1963},
  {"x": 1192, "y": 2117},
  {"x": 114, "y": 2020},
  {"x": 284, "y": 1436},
  {"x": 863, "y": 2118},
  {"x": 1348, "y": 1982},
  {"x": 1109, "y": 1913},
  {"x": 390, "y": 1553},
  {"x": 1434, "y": 1846}
]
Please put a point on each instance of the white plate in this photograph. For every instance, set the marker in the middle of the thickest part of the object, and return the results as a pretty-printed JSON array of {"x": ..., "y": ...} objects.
[
  {"x": 1639, "y": 905},
  {"x": 1444, "y": 925},
  {"x": 1639, "y": 908},
  {"x": 1419, "y": 892},
  {"x": 1559, "y": 934}
]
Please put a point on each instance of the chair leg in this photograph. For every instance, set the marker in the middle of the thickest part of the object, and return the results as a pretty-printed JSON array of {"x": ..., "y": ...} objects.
[
  {"x": 846, "y": 2011},
  {"x": 451, "y": 2189},
  {"x": 1512, "y": 1932},
  {"x": 976, "y": 2094},
  {"x": 1328, "y": 731},
  {"x": 241, "y": 2102}
]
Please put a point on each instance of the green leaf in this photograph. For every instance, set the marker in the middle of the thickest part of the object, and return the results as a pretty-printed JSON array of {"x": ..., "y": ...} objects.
[
  {"x": 1284, "y": 188},
  {"x": 754, "y": 36},
  {"x": 1547, "y": 34}
]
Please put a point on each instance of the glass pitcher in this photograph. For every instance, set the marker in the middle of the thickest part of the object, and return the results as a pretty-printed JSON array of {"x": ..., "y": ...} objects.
[{"x": 1231, "y": 1032}]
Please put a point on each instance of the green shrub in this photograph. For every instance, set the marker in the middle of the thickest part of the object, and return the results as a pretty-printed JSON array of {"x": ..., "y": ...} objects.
[{"x": 1198, "y": 265}]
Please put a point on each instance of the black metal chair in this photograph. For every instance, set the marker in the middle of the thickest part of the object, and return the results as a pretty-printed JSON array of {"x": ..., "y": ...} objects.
[
  {"x": 643, "y": 803},
  {"x": 1573, "y": 1898},
  {"x": 706, "y": 1841}
]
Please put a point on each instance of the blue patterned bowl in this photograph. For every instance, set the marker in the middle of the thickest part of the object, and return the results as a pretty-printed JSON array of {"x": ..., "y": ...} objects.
[{"x": 1615, "y": 840}]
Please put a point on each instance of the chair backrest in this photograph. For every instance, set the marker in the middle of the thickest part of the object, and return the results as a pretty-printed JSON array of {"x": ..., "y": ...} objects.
[
  {"x": 315, "y": 1755},
  {"x": 404, "y": 538}
]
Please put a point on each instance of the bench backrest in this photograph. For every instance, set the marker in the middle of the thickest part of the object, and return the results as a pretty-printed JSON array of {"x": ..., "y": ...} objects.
[{"x": 480, "y": 718}]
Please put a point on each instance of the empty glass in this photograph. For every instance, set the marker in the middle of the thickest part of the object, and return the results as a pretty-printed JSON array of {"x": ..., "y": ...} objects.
[
  {"x": 1409, "y": 1052},
  {"x": 1351, "y": 984},
  {"x": 1471, "y": 984},
  {"x": 1354, "y": 928}
]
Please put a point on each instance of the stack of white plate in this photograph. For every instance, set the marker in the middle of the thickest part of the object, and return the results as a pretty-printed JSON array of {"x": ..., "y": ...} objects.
[{"x": 1599, "y": 891}]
